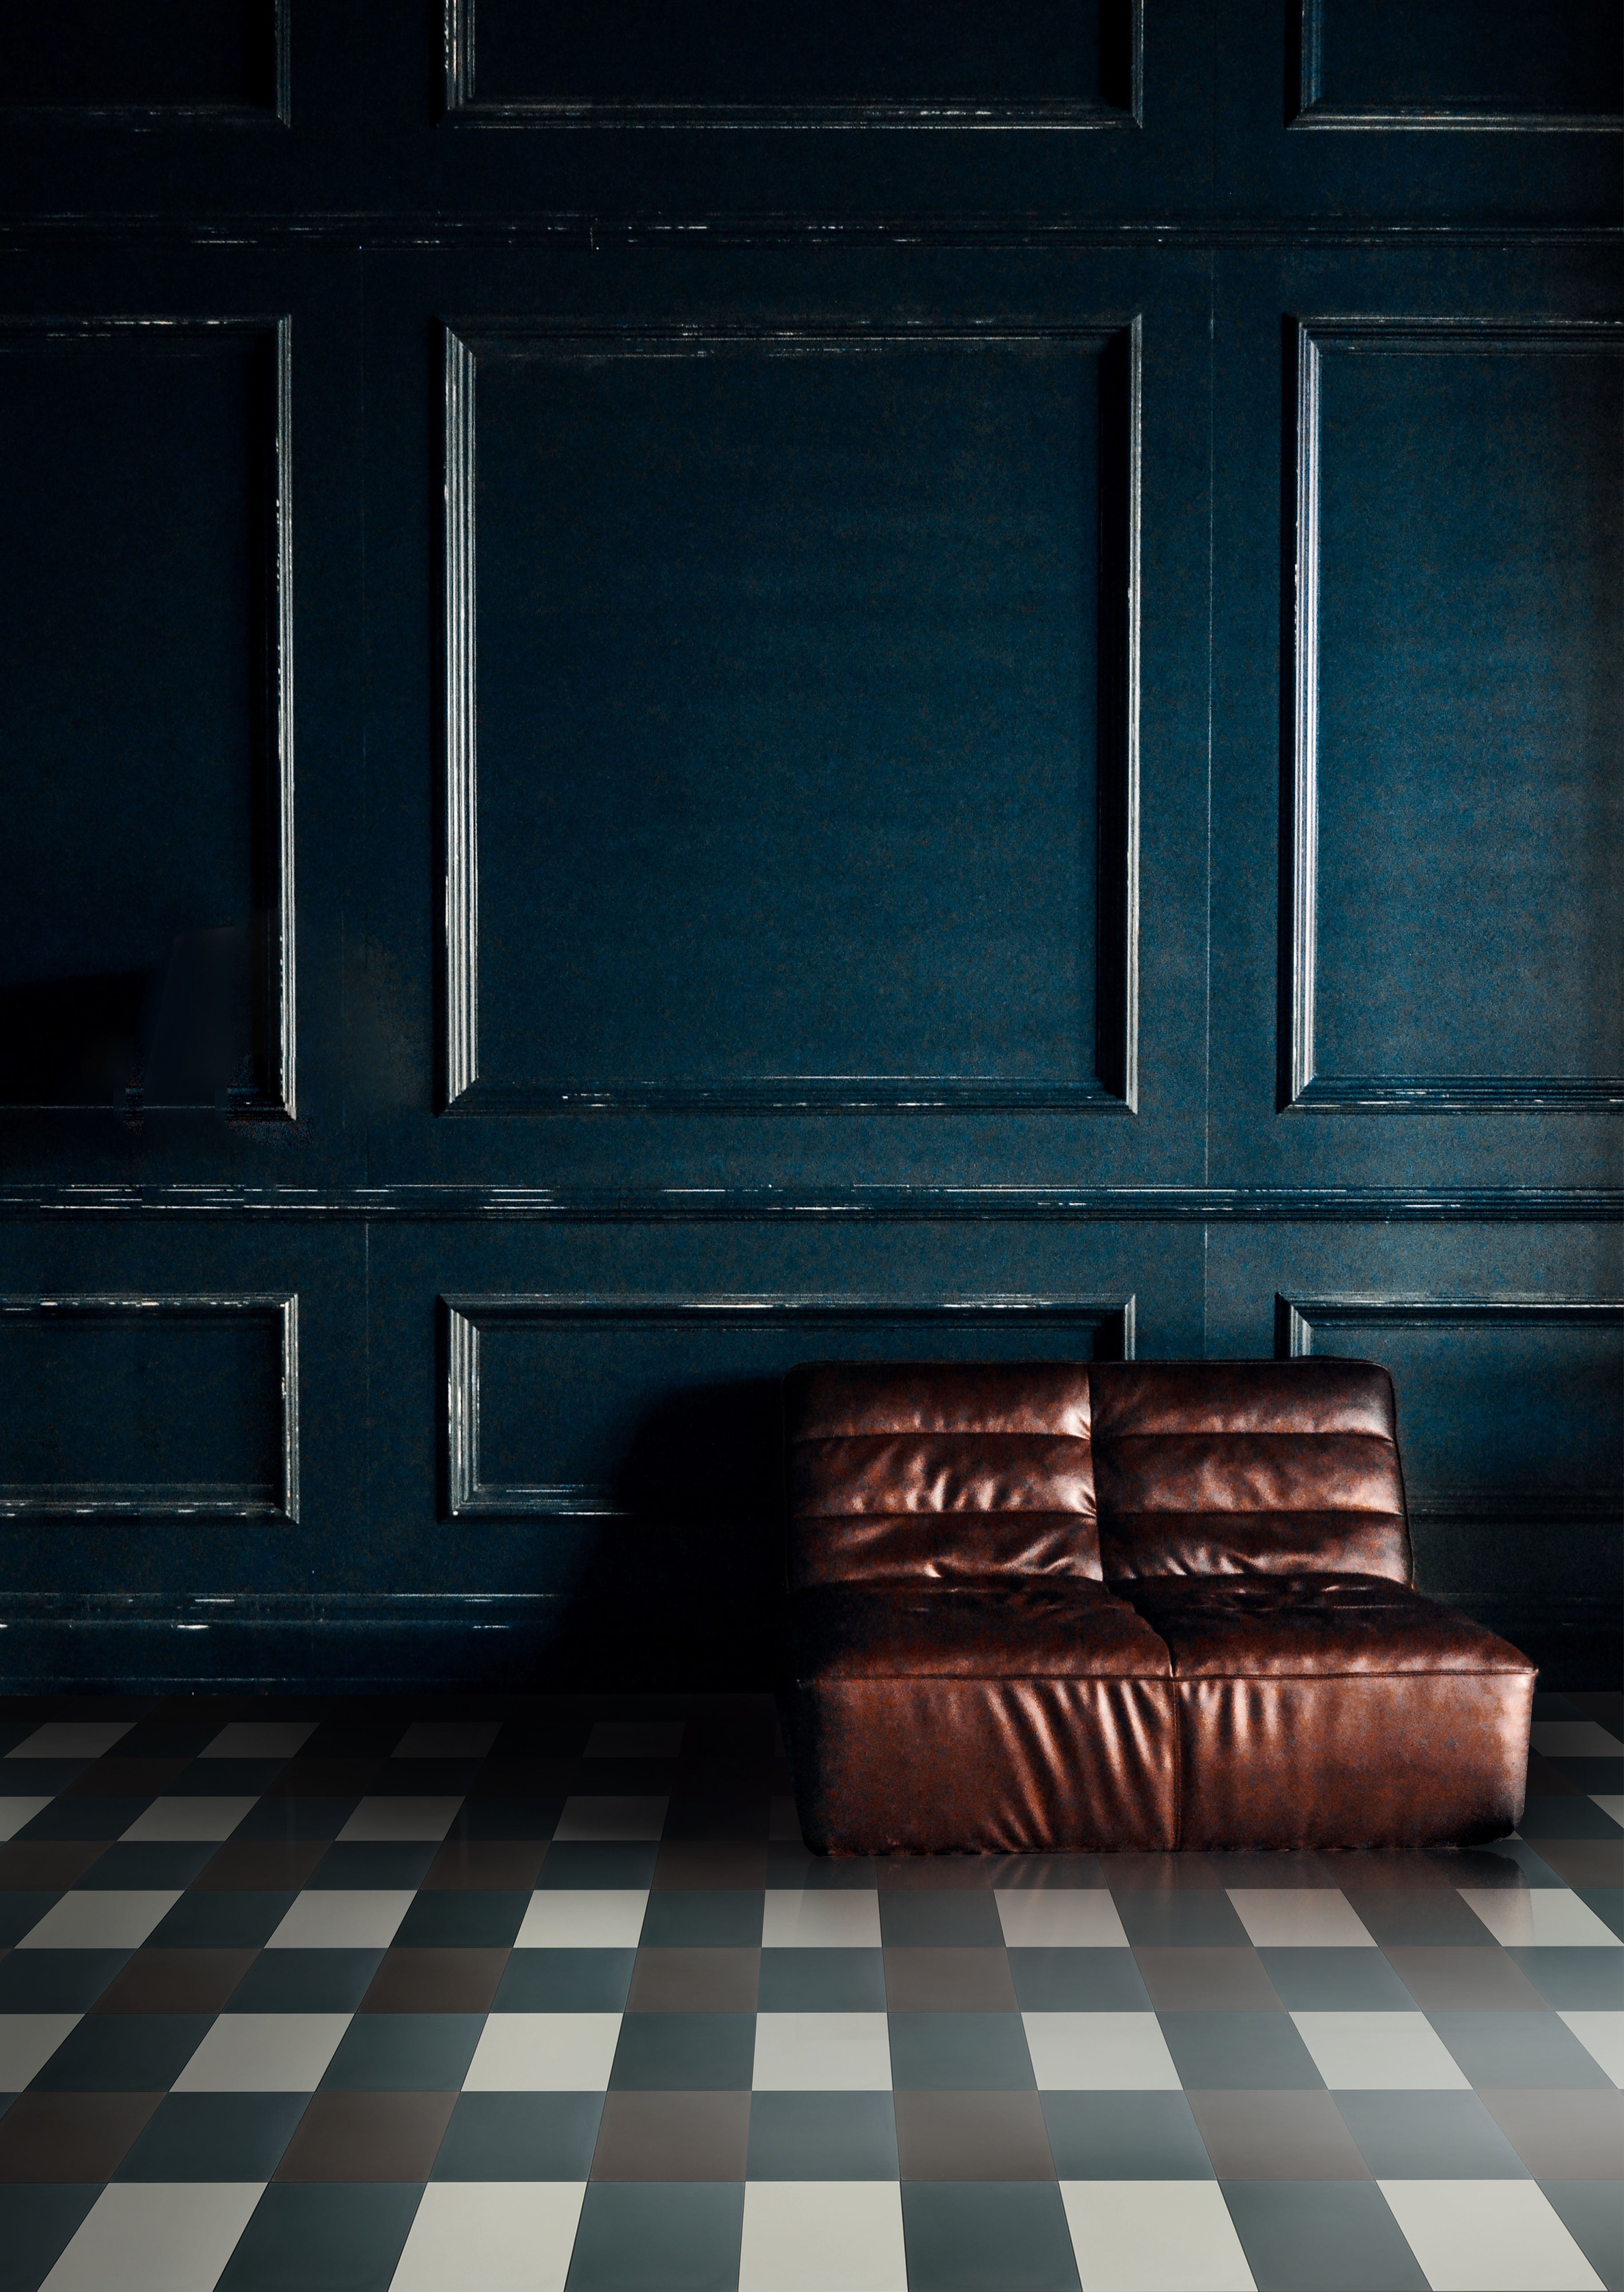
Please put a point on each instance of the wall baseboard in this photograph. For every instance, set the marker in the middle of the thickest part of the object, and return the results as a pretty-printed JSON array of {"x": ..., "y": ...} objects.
[{"x": 524, "y": 1643}]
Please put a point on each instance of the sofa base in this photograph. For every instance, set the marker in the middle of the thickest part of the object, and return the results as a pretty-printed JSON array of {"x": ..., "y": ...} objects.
[{"x": 1031, "y": 1767}]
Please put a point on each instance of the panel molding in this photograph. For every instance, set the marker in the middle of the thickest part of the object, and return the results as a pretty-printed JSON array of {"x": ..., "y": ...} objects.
[
  {"x": 463, "y": 106},
  {"x": 1297, "y": 1318},
  {"x": 95, "y": 1202},
  {"x": 1311, "y": 109},
  {"x": 1119, "y": 343},
  {"x": 468, "y": 1496},
  {"x": 276, "y": 1100},
  {"x": 278, "y": 113},
  {"x": 59, "y": 1501},
  {"x": 1301, "y": 1088}
]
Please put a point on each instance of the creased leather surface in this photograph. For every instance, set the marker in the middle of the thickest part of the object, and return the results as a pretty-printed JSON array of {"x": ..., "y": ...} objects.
[
  {"x": 1193, "y": 1397},
  {"x": 946, "y": 1548},
  {"x": 1001, "y": 1766},
  {"x": 832, "y": 1399},
  {"x": 915, "y": 1472},
  {"x": 1075, "y": 1630},
  {"x": 1278, "y": 1466},
  {"x": 1247, "y": 1626},
  {"x": 1390, "y": 1761}
]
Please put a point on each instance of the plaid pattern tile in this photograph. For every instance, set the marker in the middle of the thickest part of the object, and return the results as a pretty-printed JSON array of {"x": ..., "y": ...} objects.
[{"x": 548, "y": 1993}]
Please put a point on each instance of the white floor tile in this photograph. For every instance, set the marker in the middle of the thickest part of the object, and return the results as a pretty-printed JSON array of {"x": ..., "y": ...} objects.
[
  {"x": 27, "y": 2043},
  {"x": 1307, "y": 1917},
  {"x": 586, "y": 1821},
  {"x": 1612, "y": 1802},
  {"x": 376, "y": 1820},
  {"x": 1099, "y": 2052},
  {"x": 501, "y": 2236},
  {"x": 72, "y": 1738},
  {"x": 259, "y": 1739},
  {"x": 94, "y": 1919},
  {"x": 1160, "y": 2235},
  {"x": 156, "y": 2236},
  {"x": 448, "y": 1738},
  {"x": 343, "y": 1918},
  {"x": 782, "y": 1821},
  {"x": 584, "y": 1918},
  {"x": 1539, "y": 1917},
  {"x": 1065, "y": 1917},
  {"x": 544, "y": 2052},
  {"x": 264, "y": 2053},
  {"x": 189, "y": 1818},
  {"x": 1602, "y": 2035},
  {"x": 1381, "y": 2053},
  {"x": 1573, "y": 1738},
  {"x": 15, "y": 1812},
  {"x": 841, "y": 1918},
  {"x": 822, "y": 2053},
  {"x": 813, "y": 2236},
  {"x": 1488, "y": 2236},
  {"x": 635, "y": 1738}
]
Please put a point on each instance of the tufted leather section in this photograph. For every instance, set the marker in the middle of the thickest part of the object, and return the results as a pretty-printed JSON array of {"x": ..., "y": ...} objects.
[
  {"x": 917, "y": 1472},
  {"x": 1314, "y": 1626},
  {"x": 1058, "y": 1630},
  {"x": 1248, "y": 1467}
]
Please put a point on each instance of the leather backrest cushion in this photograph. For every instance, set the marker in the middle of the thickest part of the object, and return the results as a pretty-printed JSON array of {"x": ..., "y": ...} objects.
[
  {"x": 911, "y": 1471},
  {"x": 1240, "y": 1467}
]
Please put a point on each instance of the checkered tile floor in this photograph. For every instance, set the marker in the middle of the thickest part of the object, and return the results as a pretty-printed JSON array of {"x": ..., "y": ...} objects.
[{"x": 548, "y": 1994}]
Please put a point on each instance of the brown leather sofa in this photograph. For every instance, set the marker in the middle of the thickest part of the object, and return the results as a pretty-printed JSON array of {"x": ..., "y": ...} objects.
[{"x": 1038, "y": 1606}]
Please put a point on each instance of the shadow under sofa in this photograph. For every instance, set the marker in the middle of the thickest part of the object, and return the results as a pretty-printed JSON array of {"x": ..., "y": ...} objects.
[{"x": 1042, "y": 1607}]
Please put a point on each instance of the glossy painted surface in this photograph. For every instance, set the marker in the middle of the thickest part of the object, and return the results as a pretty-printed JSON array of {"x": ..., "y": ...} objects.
[{"x": 656, "y": 695}]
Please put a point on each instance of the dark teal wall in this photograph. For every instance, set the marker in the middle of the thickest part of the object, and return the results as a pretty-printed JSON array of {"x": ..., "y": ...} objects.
[{"x": 672, "y": 698}]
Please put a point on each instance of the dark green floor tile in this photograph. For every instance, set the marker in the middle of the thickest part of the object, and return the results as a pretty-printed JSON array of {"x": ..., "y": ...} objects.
[
  {"x": 234, "y": 1917},
  {"x": 1575, "y": 1980},
  {"x": 1221, "y": 2053},
  {"x": 959, "y": 2053},
  {"x": 1519, "y": 2049},
  {"x": 1320, "y": 2236},
  {"x": 457, "y": 1917},
  {"x": 315, "y": 2236},
  {"x": 623, "y": 1862},
  {"x": 1356, "y": 1981},
  {"x": 695, "y": 1917},
  {"x": 214, "y": 2136},
  {"x": 1430, "y": 2136},
  {"x": 520, "y": 2136},
  {"x": 685, "y": 2052},
  {"x": 306, "y": 1981},
  {"x": 961, "y": 1917},
  {"x": 37, "y": 2222},
  {"x": 821, "y": 2136},
  {"x": 56, "y": 1981},
  {"x": 986, "y": 2235},
  {"x": 1054, "y": 1980},
  {"x": 1163, "y": 1916},
  {"x": 159, "y": 1864},
  {"x": 124, "y": 2052},
  {"x": 821, "y": 1982},
  {"x": 1592, "y": 2214},
  {"x": 1124, "y": 2136},
  {"x": 565, "y": 1982},
  {"x": 673, "y": 2236},
  {"x": 404, "y": 2053},
  {"x": 395, "y": 1863}
]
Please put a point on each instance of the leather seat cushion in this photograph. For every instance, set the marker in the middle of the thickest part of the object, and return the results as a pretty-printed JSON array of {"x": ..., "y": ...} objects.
[
  {"x": 1069, "y": 1630},
  {"x": 1312, "y": 1626}
]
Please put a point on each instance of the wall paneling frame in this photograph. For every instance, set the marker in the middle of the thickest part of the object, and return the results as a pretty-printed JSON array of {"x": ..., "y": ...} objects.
[{"x": 957, "y": 691}]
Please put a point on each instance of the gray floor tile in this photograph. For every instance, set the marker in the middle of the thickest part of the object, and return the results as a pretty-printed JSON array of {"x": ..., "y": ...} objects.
[
  {"x": 1577, "y": 1979},
  {"x": 1225, "y": 2052},
  {"x": 389, "y": 1862},
  {"x": 972, "y": 2136},
  {"x": 306, "y": 1981},
  {"x": 625, "y": 1863},
  {"x": 520, "y": 2136},
  {"x": 1203, "y": 1978},
  {"x": 986, "y": 2235},
  {"x": 959, "y": 2053},
  {"x": 918, "y": 1919},
  {"x": 1430, "y": 2136},
  {"x": 942, "y": 1980},
  {"x": 1336, "y": 1980},
  {"x": 821, "y": 1982},
  {"x": 1056, "y": 1980},
  {"x": 822, "y": 2136},
  {"x": 323, "y": 2236},
  {"x": 36, "y": 2221},
  {"x": 124, "y": 2052},
  {"x": 1166, "y": 1918},
  {"x": 1563, "y": 2137},
  {"x": 1451, "y": 1980},
  {"x": 1277, "y": 2136},
  {"x": 404, "y": 2053},
  {"x": 672, "y": 2136},
  {"x": 1428, "y": 1919},
  {"x": 1592, "y": 2214},
  {"x": 1125, "y": 2136},
  {"x": 214, "y": 2136},
  {"x": 1518, "y": 2049},
  {"x": 695, "y": 1918},
  {"x": 565, "y": 1982},
  {"x": 162, "y": 1864},
  {"x": 671, "y": 2237},
  {"x": 685, "y": 2052},
  {"x": 1322, "y": 2236}
]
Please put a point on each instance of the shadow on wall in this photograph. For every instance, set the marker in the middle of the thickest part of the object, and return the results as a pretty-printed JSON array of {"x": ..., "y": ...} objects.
[
  {"x": 178, "y": 1035},
  {"x": 686, "y": 1586}
]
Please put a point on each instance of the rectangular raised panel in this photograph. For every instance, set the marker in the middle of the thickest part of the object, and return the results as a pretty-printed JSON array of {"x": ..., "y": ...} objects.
[
  {"x": 576, "y": 1407},
  {"x": 137, "y": 1408},
  {"x": 791, "y": 750},
  {"x": 224, "y": 60},
  {"x": 1471, "y": 64},
  {"x": 146, "y": 654},
  {"x": 899, "y": 63},
  {"x": 1511, "y": 1422},
  {"x": 1453, "y": 893}
]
